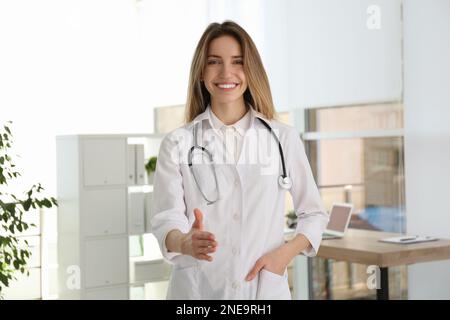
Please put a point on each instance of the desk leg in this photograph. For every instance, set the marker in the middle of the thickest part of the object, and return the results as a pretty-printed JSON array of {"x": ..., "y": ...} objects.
[
  {"x": 329, "y": 279},
  {"x": 383, "y": 292}
]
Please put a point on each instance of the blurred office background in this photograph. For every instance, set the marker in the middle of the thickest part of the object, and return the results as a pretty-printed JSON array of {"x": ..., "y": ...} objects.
[{"x": 365, "y": 82}]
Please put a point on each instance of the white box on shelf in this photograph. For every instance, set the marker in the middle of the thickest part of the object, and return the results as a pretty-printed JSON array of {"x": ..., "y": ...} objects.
[
  {"x": 104, "y": 161},
  {"x": 136, "y": 213},
  {"x": 141, "y": 176},
  {"x": 148, "y": 211},
  {"x": 106, "y": 262},
  {"x": 131, "y": 164},
  {"x": 104, "y": 212},
  {"x": 136, "y": 164}
]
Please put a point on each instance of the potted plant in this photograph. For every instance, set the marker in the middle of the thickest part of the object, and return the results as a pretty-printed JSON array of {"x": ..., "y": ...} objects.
[
  {"x": 13, "y": 256},
  {"x": 150, "y": 167},
  {"x": 291, "y": 219}
]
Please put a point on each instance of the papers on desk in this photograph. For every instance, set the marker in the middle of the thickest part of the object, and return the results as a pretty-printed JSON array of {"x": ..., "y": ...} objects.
[{"x": 408, "y": 239}]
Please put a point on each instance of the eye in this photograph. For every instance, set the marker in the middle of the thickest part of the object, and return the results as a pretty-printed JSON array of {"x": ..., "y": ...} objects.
[
  {"x": 210, "y": 62},
  {"x": 240, "y": 61}
]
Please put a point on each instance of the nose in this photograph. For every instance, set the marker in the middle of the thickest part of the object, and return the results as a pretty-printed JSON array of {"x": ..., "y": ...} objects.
[{"x": 225, "y": 70}]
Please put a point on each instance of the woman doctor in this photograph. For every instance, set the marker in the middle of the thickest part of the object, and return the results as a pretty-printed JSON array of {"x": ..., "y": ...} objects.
[{"x": 221, "y": 179}]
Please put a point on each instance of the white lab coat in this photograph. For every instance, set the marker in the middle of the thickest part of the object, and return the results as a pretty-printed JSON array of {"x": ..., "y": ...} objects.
[{"x": 248, "y": 220}]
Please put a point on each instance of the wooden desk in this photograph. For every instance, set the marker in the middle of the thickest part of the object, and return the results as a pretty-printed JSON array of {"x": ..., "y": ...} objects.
[{"x": 362, "y": 246}]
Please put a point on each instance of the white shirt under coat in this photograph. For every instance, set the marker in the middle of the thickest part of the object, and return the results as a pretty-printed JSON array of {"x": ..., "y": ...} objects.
[
  {"x": 232, "y": 136},
  {"x": 248, "y": 220}
]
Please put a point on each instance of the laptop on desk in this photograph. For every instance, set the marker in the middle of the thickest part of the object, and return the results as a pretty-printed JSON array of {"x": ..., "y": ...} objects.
[{"x": 339, "y": 219}]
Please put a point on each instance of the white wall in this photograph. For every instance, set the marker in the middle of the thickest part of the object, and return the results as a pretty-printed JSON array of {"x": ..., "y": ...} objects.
[
  {"x": 427, "y": 136},
  {"x": 90, "y": 66},
  {"x": 335, "y": 59}
]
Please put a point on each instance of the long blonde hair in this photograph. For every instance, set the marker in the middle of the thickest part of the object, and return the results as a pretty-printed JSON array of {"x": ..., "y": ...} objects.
[{"x": 258, "y": 93}]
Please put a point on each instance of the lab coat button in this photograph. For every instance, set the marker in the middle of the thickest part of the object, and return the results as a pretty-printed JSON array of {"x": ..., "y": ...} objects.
[
  {"x": 234, "y": 250},
  {"x": 236, "y": 285},
  {"x": 236, "y": 216},
  {"x": 236, "y": 182}
]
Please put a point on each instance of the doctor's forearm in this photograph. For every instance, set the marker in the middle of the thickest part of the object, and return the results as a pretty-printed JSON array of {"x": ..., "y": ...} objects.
[{"x": 293, "y": 247}]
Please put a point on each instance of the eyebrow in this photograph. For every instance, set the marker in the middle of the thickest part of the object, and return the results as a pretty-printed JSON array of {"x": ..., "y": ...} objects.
[{"x": 215, "y": 56}]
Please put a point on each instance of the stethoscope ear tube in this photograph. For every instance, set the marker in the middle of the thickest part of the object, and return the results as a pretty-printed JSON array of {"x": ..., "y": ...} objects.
[
  {"x": 284, "y": 181},
  {"x": 210, "y": 158}
]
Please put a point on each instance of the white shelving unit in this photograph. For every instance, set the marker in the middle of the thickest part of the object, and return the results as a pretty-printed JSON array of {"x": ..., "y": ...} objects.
[{"x": 103, "y": 199}]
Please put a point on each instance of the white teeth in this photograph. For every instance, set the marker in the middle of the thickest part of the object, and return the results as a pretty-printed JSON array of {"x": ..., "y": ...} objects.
[{"x": 226, "y": 86}]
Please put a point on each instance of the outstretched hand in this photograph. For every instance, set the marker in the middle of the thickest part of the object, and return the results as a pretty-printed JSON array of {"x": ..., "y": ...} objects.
[{"x": 197, "y": 242}]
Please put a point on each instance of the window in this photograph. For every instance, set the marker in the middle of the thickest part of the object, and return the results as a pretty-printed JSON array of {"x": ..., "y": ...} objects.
[
  {"x": 356, "y": 155},
  {"x": 168, "y": 118}
]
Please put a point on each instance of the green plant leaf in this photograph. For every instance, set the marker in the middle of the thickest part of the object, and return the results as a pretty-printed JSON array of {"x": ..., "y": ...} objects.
[
  {"x": 46, "y": 203},
  {"x": 4, "y": 279},
  {"x": 26, "y": 204},
  {"x": 10, "y": 207},
  {"x": 13, "y": 258}
]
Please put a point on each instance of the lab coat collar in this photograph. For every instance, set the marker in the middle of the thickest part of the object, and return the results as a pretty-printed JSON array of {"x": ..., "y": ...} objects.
[
  {"x": 241, "y": 126},
  {"x": 205, "y": 116}
]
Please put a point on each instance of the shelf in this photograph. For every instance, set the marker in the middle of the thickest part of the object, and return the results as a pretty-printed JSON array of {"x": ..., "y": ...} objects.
[
  {"x": 146, "y": 188},
  {"x": 144, "y": 270}
]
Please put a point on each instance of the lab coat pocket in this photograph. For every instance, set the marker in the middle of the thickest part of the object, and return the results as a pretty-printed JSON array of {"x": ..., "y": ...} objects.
[
  {"x": 184, "y": 283},
  {"x": 272, "y": 286}
]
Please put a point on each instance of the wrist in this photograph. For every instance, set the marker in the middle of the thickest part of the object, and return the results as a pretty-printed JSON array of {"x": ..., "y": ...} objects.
[
  {"x": 181, "y": 242},
  {"x": 174, "y": 241},
  {"x": 287, "y": 253},
  {"x": 296, "y": 246}
]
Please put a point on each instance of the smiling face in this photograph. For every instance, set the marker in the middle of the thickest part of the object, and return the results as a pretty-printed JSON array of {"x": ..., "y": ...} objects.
[{"x": 224, "y": 75}]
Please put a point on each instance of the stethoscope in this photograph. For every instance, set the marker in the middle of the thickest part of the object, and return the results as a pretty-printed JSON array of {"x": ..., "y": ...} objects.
[{"x": 284, "y": 180}]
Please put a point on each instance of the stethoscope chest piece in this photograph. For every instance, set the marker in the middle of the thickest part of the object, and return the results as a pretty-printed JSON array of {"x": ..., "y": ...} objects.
[{"x": 285, "y": 182}]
